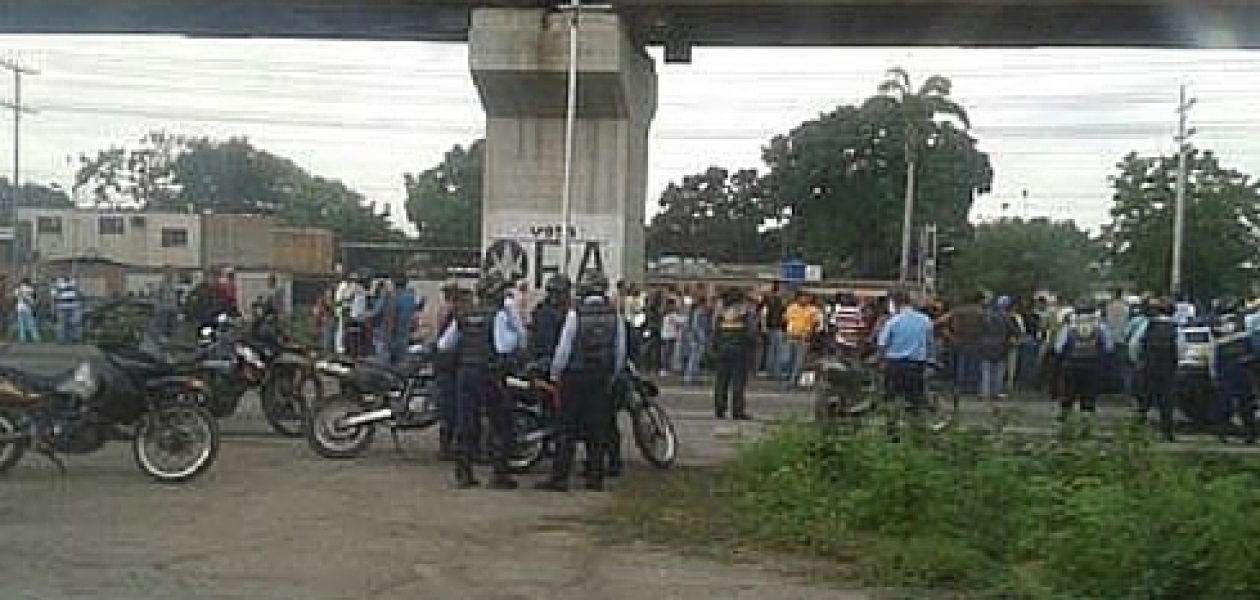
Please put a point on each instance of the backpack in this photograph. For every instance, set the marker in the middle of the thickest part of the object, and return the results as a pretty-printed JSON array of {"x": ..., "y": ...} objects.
[{"x": 1085, "y": 332}]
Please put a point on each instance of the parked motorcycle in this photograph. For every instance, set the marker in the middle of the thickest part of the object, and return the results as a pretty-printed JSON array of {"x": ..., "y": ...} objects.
[
  {"x": 849, "y": 389},
  {"x": 400, "y": 396},
  {"x": 125, "y": 394},
  {"x": 537, "y": 406},
  {"x": 283, "y": 373}
]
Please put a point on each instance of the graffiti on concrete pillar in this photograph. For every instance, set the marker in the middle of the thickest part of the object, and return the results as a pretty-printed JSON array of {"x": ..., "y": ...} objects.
[{"x": 538, "y": 259}]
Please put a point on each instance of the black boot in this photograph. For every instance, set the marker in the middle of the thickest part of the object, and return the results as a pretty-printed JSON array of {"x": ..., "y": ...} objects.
[
  {"x": 464, "y": 478},
  {"x": 502, "y": 481},
  {"x": 552, "y": 484}
]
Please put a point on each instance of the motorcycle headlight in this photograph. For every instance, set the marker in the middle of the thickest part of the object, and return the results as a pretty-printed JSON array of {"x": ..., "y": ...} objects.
[{"x": 82, "y": 384}]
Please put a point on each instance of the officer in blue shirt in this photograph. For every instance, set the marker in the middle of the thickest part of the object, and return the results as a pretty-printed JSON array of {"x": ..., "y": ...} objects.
[
  {"x": 590, "y": 353},
  {"x": 483, "y": 345},
  {"x": 1083, "y": 344},
  {"x": 905, "y": 342}
]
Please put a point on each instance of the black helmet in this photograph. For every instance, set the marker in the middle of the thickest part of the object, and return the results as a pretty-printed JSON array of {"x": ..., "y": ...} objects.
[
  {"x": 592, "y": 283},
  {"x": 1085, "y": 306},
  {"x": 559, "y": 285},
  {"x": 491, "y": 286}
]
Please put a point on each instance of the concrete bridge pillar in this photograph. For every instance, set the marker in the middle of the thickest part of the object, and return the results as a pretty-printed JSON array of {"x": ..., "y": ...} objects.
[{"x": 520, "y": 61}]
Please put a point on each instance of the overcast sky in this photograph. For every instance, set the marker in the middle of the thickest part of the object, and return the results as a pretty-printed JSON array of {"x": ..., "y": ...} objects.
[{"x": 1055, "y": 121}]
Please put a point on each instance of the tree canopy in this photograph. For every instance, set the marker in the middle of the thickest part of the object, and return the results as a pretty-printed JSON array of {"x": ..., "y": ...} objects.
[
  {"x": 840, "y": 177},
  {"x": 36, "y": 195},
  {"x": 716, "y": 214},
  {"x": 1021, "y": 258},
  {"x": 1222, "y": 218},
  {"x": 178, "y": 173},
  {"x": 444, "y": 202}
]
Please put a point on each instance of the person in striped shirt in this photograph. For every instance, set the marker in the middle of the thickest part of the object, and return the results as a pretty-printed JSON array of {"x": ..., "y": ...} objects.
[
  {"x": 849, "y": 323},
  {"x": 65, "y": 298}
]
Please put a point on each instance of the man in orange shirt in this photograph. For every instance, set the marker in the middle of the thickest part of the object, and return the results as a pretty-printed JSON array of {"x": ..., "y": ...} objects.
[{"x": 803, "y": 320}]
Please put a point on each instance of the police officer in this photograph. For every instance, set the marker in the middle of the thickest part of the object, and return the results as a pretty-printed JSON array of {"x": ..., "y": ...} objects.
[
  {"x": 548, "y": 317},
  {"x": 1082, "y": 344},
  {"x": 454, "y": 301},
  {"x": 734, "y": 340},
  {"x": 590, "y": 352},
  {"x": 1234, "y": 349},
  {"x": 1153, "y": 349},
  {"x": 483, "y": 342}
]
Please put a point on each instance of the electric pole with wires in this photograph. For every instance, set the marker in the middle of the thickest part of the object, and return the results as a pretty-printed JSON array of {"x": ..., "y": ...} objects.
[{"x": 15, "y": 186}]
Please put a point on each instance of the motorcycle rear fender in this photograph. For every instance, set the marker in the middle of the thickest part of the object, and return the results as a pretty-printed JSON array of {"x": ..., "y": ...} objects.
[{"x": 292, "y": 359}]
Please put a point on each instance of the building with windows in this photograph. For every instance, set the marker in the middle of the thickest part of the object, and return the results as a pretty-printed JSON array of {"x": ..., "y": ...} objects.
[
  {"x": 117, "y": 252},
  {"x": 135, "y": 239}
]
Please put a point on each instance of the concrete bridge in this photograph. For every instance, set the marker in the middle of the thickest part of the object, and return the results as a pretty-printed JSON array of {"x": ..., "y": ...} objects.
[
  {"x": 1164, "y": 23},
  {"x": 519, "y": 56}
]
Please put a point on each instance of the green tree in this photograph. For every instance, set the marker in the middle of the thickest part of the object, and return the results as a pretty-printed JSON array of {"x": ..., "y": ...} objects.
[
  {"x": 918, "y": 108},
  {"x": 177, "y": 173},
  {"x": 715, "y": 214},
  {"x": 36, "y": 195},
  {"x": 445, "y": 202},
  {"x": 131, "y": 178},
  {"x": 1018, "y": 257},
  {"x": 840, "y": 181},
  {"x": 1222, "y": 216}
]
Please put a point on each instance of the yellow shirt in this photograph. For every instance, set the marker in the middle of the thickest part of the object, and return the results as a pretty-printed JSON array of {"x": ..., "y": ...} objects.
[{"x": 802, "y": 320}]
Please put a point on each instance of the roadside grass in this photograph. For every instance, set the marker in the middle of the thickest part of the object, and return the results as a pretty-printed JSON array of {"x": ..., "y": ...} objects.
[{"x": 968, "y": 514}]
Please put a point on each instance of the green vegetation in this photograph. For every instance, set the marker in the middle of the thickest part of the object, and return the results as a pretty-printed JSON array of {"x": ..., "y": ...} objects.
[{"x": 978, "y": 515}]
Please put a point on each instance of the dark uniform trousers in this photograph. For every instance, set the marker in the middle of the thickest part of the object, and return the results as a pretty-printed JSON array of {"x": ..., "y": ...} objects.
[
  {"x": 730, "y": 379},
  {"x": 586, "y": 413},
  {"x": 1080, "y": 382},
  {"x": 1236, "y": 397},
  {"x": 479, "y": 390},
  {"x": 1159, "y": 389}
]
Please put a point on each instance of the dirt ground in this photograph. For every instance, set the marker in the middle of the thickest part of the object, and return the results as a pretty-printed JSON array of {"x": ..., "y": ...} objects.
[{"x": 273, "y": 521}]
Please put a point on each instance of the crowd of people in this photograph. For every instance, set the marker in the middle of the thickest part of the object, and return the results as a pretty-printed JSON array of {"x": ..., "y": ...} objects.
[{"x": 61, "y": 307}]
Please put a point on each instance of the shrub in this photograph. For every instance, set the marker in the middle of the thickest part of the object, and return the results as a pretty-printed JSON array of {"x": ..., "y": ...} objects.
[{"x": 1068, "y": 518}]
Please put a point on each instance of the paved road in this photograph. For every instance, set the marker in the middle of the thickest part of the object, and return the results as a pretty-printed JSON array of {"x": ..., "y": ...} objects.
[{"x": 272, "y": 521}]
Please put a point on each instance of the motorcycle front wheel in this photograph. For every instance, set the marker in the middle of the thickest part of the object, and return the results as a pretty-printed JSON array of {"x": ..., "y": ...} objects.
[
  {"x": 176, "y": 443},
  {"x": 329, "y": 438},
  {"x": 286, "y": 398},
  {"x": 13, "y": 443},
  {"x": 531, "y": 441},
  {"x": 654, "y": 433}
]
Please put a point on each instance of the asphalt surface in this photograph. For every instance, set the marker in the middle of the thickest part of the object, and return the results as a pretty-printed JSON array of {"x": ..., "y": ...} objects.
[{"x": 271, "y": 520}]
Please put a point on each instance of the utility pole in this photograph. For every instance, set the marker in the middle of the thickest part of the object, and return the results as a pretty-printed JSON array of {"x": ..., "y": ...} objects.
[
  {"x": 1179, "y": 215},
  {"x": 570, "y": 122},
  {"x": 10, "y": 210}
]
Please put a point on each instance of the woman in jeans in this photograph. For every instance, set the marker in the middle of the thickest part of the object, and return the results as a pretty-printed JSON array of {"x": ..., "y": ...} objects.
[
  {"x": 24, "y": 297},
  {"x": 671, "y": 331},
  {"x": 699, "y": 330}
]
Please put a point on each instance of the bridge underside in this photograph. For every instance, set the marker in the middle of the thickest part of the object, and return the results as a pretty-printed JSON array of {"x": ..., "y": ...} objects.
[{"x": 1148, "y": 23}]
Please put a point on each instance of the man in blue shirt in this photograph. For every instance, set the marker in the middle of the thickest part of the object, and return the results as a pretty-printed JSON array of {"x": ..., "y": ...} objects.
[
  {"x": 1083, "y": 344},
  {"x": 483, "y": 345},
  {"x": 590, "y": 353},
  {"x": 905, "y": 342}
]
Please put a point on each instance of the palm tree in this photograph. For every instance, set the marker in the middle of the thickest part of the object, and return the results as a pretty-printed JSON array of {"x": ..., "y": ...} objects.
[{"x": 919, "y": 109}]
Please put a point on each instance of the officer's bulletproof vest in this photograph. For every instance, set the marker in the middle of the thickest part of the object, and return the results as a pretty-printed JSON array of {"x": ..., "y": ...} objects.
[
  {"x": 476, "y": 338},
  {"x": 594, "y": 352},
  {"x": 1086, "y": 332},
  {"x": 1159, "y": 345},
  {"x": 731, "y": 330},
  {"x": 548, "y": 320}
]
